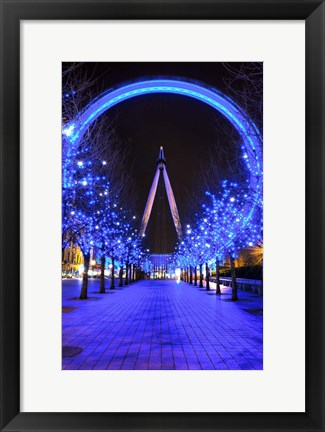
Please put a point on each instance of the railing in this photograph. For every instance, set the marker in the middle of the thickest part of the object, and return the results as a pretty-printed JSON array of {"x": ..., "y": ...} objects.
[{"x": 253, "y": 285}]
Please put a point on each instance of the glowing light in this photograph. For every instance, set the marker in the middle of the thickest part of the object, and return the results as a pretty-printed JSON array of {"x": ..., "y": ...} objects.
[
  {"x": 80, "y": 163},
  {"x": 104, "y": 162},
  {"x": 69, "y": 130},
  {"x": 248, "y": 132},
  {"x": 229, "y": 109}
]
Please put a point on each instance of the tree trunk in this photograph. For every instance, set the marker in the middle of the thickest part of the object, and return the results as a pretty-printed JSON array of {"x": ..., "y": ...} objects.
[
  {"x": 102, "y": 275},
  {"x": 84, "y": 288},
  {"x": 195, "y": 275},
  {"x": 218, "y": 291},
  {"x": 121, "y": 277},
  {"x": 126, "y": 274},
  {"x": 234, "y": 296},
  {"x": 207, "y": 277},
  {"x": 113, "y": 274},
  {"x": 201, "y": 277},
  {"x": 191, "y": 276},
  {"x": 130, "y": 273},
  {"x": 134, "y": 273}
]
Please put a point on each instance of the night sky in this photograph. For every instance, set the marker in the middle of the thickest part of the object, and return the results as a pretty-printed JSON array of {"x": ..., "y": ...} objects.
[{"x": 187, "y": 129}]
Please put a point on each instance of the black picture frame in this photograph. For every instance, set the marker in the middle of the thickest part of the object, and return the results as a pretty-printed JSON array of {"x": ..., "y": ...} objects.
[{"x": 12, "y": 12}]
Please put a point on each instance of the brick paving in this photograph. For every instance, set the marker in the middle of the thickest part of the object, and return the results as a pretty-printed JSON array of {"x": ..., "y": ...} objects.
[{"x": 161, "y": 325}]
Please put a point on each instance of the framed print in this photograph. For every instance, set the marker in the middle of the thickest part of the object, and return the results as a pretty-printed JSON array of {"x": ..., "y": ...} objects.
[{"x": 162, "y": 215}]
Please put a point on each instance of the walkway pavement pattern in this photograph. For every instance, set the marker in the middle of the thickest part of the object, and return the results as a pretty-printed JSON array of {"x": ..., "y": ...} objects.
[{"x": 161, "y": 325}]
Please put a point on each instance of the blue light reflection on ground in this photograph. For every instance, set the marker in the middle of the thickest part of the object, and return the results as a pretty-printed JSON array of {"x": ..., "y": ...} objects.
[{"x": 162, "y": 325}]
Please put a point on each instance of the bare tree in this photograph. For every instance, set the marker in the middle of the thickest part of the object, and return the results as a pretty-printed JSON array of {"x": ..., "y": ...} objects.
[{"x": 244, "y": 83}]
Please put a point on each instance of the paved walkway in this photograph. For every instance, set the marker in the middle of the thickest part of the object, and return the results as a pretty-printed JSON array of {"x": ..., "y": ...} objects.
[{"x": 160, "y": 325}]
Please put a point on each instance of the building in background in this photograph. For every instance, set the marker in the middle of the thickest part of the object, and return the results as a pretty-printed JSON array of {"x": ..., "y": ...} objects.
[{"x": 72, "y": 261}]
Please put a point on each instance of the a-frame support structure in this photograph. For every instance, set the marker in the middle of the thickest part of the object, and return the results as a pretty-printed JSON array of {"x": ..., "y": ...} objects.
[{"x": 161, "y": 170}]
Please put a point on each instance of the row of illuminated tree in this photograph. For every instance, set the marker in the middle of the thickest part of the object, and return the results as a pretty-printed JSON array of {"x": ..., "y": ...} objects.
[
  {"x": 94, "y": 220},
  {"x": 227, "y": 222},
  {"x": 96, "y": 190},
  {"x": 96, "y": 196},
  {"x": 231, "y": 216}
]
